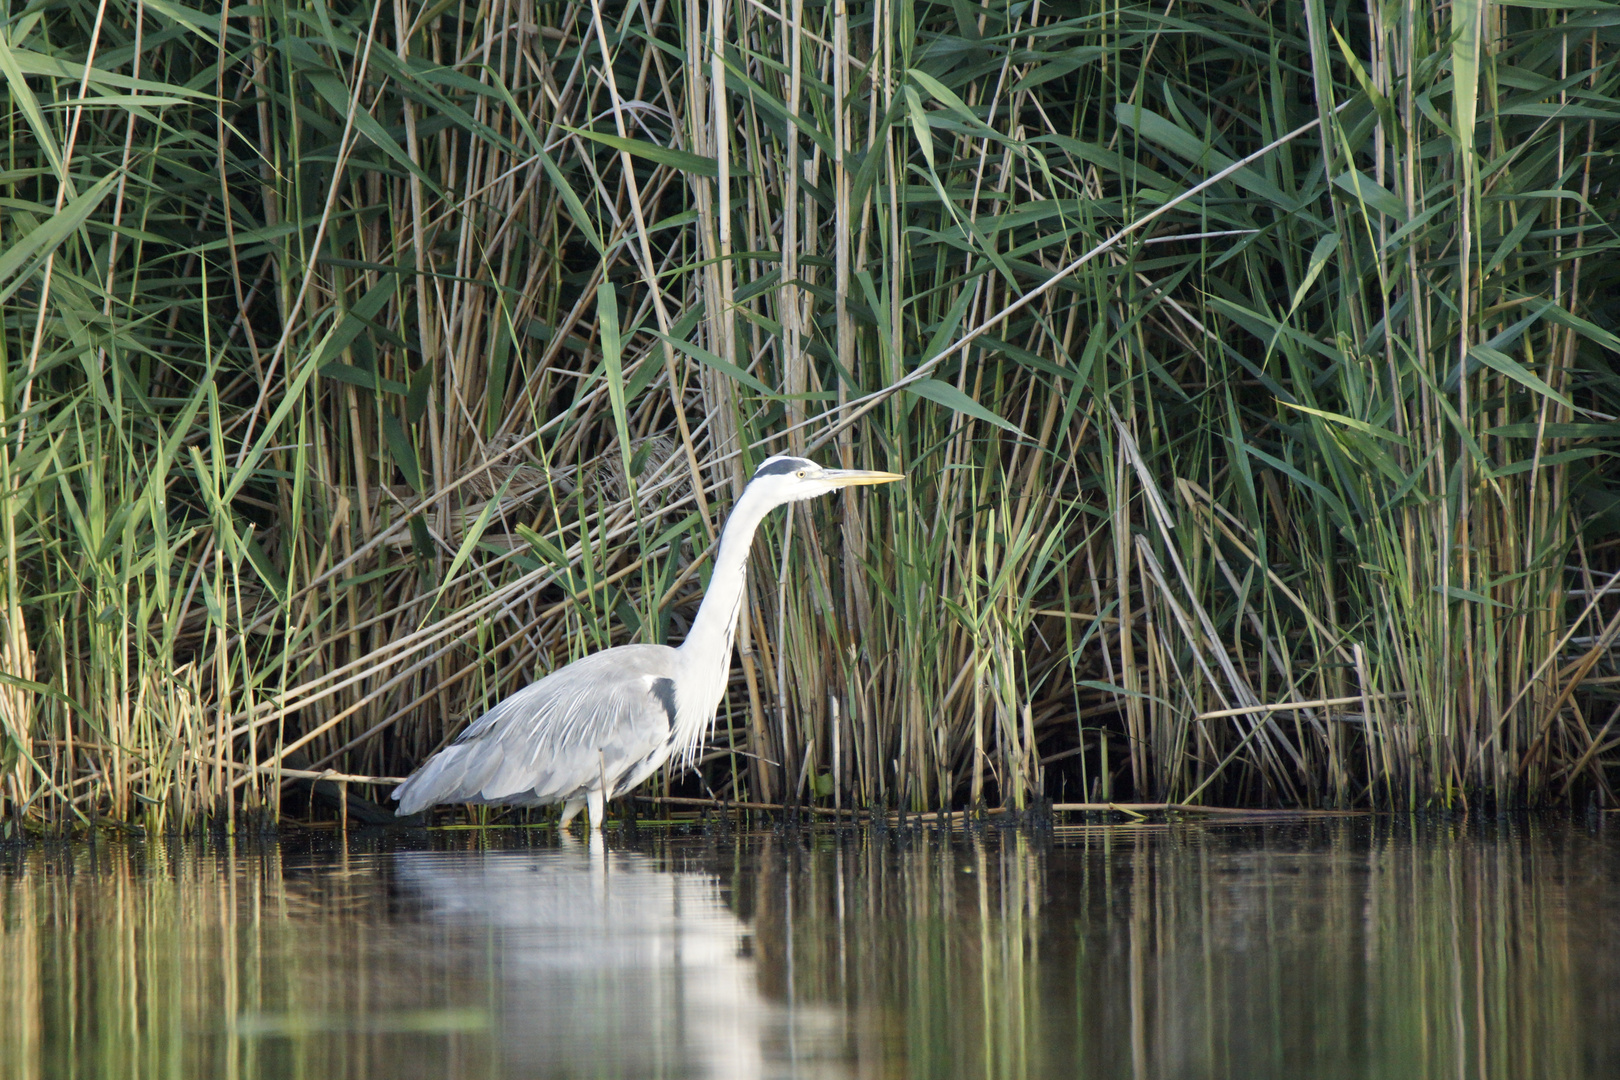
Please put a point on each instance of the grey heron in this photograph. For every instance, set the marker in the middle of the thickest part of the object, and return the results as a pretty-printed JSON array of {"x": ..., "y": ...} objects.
[{"x": 593, "y": 730}]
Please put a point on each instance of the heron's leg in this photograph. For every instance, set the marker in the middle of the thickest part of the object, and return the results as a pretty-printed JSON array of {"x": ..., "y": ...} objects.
[
  {"x": 570, "y": 808},
  {"x": 594, "y": 800}
]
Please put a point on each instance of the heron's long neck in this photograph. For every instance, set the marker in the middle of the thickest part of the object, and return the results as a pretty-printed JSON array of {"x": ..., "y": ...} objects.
[{"x": 716, "y": 619}]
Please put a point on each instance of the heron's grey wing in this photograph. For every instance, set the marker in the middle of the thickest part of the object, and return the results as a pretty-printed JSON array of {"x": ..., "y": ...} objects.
[{"x": 600, "y": 718}]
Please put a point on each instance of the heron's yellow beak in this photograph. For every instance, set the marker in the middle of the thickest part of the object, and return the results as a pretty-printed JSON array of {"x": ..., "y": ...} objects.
[{"x": 858, "y": 477}]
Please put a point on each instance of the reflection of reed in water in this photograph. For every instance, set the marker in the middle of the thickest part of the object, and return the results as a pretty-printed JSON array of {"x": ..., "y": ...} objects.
[
  {"x": 610, "y": 966},
  {"x": 1334, "y": 949}
]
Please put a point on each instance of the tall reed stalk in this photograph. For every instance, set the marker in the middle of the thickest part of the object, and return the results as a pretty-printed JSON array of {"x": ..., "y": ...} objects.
[{"x": 1253, "y": 368}]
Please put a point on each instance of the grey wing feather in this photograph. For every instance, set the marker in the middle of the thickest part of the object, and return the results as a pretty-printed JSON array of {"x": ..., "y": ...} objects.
[{"x": 601, "y": 717}]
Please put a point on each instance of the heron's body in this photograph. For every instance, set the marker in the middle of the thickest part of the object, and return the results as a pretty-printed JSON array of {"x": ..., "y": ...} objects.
[{"x": 593, "y": 730}]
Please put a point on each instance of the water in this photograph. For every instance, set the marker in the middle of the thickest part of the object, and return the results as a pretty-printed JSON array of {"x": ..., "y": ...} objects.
[{"x": 1311, "y": 948}]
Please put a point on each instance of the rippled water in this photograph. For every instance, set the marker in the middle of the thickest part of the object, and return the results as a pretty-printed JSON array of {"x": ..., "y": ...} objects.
[{"x": 1312, "y": 948}]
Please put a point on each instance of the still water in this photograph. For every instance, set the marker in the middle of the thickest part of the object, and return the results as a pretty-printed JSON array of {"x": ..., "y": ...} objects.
[{"x": 1310, "y": 948}]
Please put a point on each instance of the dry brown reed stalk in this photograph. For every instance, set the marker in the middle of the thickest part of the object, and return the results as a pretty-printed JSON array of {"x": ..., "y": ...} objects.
[{"x": 17, "y": 706}]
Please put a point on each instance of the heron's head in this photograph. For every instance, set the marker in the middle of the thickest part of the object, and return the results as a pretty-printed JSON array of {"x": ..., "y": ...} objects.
[{"x": 785, "y": 478}]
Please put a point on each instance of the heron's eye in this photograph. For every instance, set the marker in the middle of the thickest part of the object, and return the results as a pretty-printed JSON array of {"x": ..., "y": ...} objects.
[{"x": 802, "y": 473}]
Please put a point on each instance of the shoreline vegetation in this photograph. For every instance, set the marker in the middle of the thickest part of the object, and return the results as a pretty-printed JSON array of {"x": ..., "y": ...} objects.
[{"x": 1253, "y": 367}]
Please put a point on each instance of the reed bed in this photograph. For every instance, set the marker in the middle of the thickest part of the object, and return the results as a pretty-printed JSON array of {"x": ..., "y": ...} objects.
[{"x": 1253, "y": 368}]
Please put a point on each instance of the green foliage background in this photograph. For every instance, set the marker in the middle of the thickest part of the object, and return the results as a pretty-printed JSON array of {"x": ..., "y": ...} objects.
[{"x": 362, "y": 362}]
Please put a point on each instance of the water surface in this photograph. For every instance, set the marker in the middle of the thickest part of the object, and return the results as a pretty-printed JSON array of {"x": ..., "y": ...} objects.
[{"x": 1320, "y": 948}]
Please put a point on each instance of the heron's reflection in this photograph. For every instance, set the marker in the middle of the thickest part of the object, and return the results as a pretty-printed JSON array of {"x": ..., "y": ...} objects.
[{"x": 607, "y": 964}]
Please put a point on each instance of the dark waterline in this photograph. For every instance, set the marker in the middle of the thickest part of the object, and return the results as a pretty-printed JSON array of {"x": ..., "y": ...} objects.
[{"x": 1317, "y": 948}]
